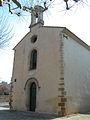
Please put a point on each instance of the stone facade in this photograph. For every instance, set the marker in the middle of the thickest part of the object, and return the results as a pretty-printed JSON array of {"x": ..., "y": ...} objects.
[{"x": 62, "y": 70}]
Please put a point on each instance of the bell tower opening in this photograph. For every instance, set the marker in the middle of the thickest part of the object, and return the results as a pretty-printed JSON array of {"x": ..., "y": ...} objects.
[{"x": 37, "y": 15}]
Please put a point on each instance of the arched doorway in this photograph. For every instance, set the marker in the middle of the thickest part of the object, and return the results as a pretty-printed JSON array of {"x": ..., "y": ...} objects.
[
  {"x": 31, "y": 93},
  {"x": 33, "y": 89}
]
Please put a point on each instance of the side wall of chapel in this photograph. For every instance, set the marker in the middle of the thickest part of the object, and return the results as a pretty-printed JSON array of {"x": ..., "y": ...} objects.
[{"x": 76, "y": 76}]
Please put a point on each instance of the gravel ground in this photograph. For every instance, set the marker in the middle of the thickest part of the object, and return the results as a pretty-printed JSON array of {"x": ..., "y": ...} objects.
[
  {"x": 6, "y": 114},
  {"x": 76, "y": 117}
]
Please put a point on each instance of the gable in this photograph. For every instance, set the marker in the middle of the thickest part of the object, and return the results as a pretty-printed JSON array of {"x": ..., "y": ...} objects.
[{"x": 63, "y": 30}]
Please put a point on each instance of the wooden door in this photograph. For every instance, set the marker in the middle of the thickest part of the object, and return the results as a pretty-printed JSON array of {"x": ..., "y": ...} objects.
[{"x": 32, "y": 97}]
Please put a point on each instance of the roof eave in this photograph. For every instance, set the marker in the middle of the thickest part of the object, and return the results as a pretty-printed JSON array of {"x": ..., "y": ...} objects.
[{"x": 77, "y": 39}]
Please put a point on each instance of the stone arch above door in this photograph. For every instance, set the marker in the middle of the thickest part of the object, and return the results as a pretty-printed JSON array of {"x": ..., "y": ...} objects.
[{"x": 30, "y": 80}]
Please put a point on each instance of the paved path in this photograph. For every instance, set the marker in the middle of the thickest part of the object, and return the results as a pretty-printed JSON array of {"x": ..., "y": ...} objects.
[
  {"x": 13, "y": 115},
  {"x": 5, "y": 114}
]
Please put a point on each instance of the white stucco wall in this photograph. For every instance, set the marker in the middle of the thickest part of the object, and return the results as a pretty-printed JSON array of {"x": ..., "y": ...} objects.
[
  {"x": 47, "y": 69},
  {"x": 18, "y": 74},
  {"x": 47, "y": 72},
  {"x": 76, "y": 76}
]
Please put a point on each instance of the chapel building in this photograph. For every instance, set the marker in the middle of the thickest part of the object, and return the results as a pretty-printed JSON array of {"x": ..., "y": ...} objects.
[{"x": 51, "y": 71}]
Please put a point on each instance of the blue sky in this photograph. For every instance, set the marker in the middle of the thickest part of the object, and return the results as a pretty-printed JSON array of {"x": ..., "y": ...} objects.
[{"x": 77, "y": 19}]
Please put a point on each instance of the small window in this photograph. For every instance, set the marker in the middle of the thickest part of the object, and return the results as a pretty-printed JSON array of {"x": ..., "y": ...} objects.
[
  {"x": 33, "y": 59},
  {"x": 15, "y": 80},
  {"x": 33, "y": 38}
]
